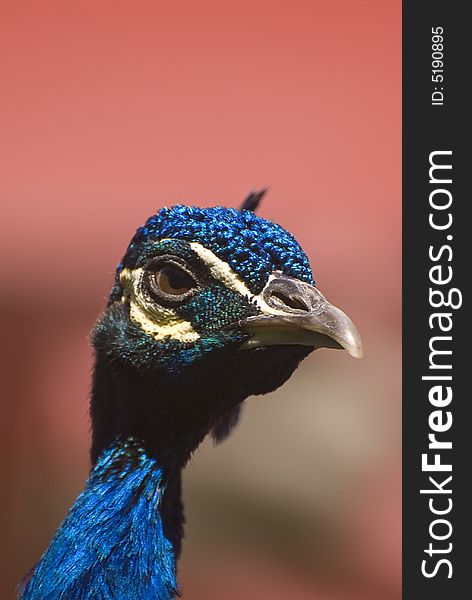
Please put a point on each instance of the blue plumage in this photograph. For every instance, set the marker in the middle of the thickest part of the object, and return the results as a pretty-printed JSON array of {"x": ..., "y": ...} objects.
[
  {"x": 209, "y": 306},
  {"x": 111, "y": 545},
  {"x": 252, "y": 246}
]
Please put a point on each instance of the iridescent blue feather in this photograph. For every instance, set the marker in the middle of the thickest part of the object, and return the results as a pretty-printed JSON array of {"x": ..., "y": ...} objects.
[
  {"x": 253, "y": 247},
  {"x": 111, "y": 546}
]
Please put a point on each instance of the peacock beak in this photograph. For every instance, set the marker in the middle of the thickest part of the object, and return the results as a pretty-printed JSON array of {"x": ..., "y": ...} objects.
[{"x": 296, "y": 313}]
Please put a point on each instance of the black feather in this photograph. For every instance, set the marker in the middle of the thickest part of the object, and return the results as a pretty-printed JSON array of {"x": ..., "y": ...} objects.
[
  {"x": 253, "y": 200},
  {"x": 225, "y": 425}
]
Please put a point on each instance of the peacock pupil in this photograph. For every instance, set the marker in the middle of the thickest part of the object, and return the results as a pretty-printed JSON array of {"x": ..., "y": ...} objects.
[{"x": 173, "y": 281}]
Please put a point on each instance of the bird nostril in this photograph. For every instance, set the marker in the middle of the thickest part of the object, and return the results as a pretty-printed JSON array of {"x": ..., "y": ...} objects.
[{"x": 290, "y": 301}]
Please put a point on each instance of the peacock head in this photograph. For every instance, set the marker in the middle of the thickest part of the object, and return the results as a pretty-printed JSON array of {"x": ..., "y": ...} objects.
[{"x": 213, "y": 305}]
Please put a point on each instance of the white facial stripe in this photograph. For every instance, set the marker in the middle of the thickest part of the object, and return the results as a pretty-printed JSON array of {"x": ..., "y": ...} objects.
[
  {"x": 220, "y": 270},
  {"x": 177, "y": 330},
  {"x": 155, "y": 320}
]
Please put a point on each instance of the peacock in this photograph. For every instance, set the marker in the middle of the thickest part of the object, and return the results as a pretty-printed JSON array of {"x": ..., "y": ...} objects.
[{"x": 208, "y": 307}]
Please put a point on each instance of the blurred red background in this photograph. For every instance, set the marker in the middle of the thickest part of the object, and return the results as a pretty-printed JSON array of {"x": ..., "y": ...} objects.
[{"x": 110, "y": 110}]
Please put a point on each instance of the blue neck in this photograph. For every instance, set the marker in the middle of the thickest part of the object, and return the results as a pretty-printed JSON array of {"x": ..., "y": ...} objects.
[{"x": 112, "y": 544}]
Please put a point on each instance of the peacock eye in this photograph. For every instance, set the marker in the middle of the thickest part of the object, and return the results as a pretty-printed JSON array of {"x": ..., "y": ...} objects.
[
  {"x": 173, "y": 281},
  {"x": 169, "y": 281}
]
